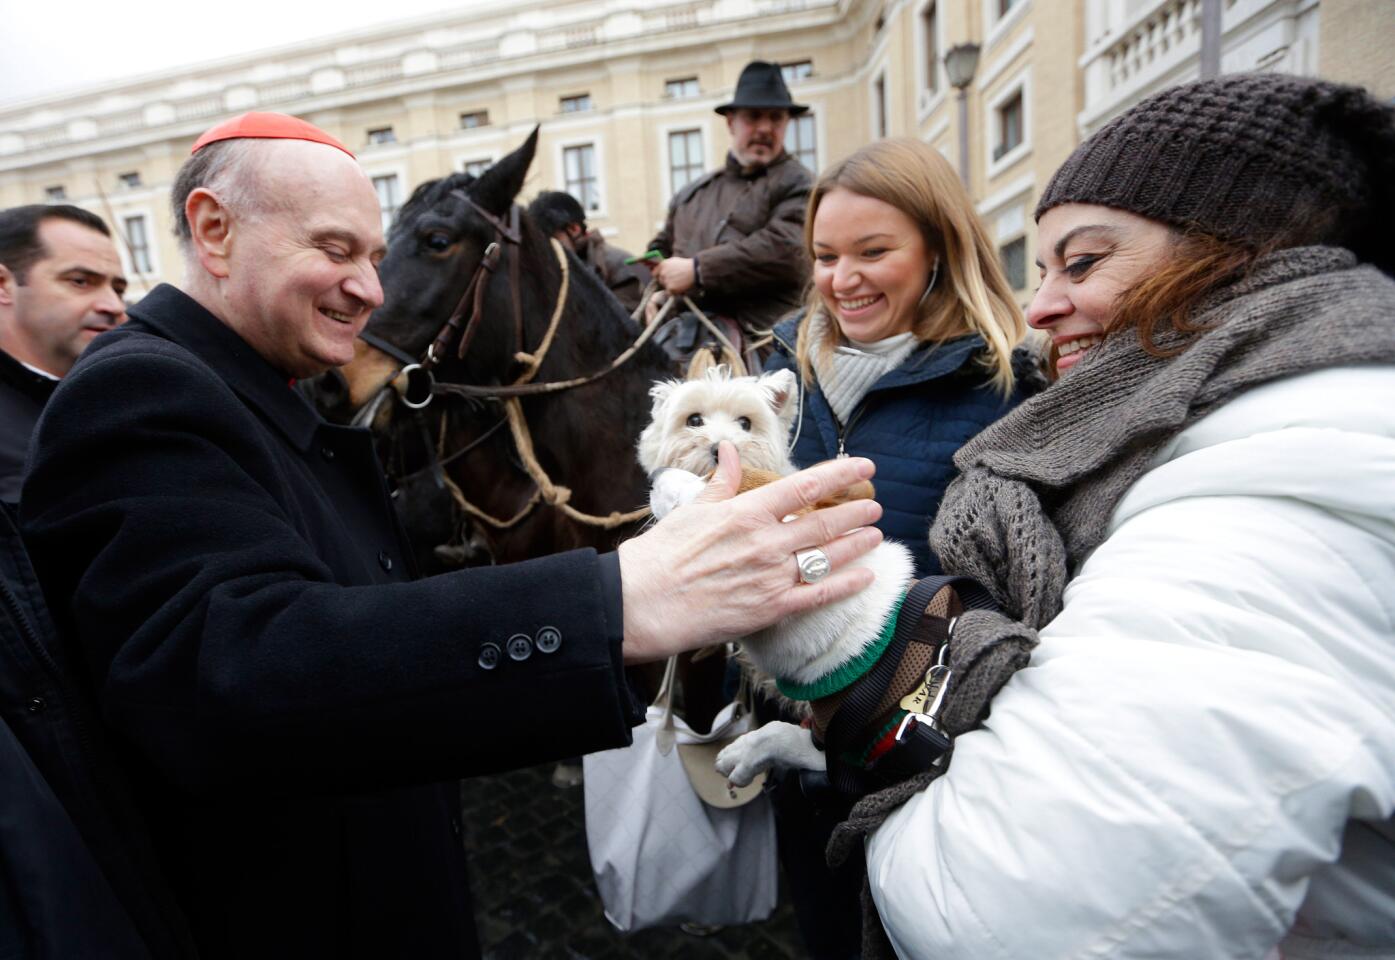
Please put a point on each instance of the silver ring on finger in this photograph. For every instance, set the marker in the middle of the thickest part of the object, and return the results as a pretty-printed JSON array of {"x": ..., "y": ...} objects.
[{"x": 813, "y": 565}]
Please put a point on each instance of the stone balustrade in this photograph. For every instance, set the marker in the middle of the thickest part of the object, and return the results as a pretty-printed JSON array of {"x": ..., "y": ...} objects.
[{"x": 391, "y": 60}]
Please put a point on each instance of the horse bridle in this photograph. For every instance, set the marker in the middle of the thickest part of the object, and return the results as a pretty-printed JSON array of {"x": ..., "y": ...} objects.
[{"x": 470, "y": 305}]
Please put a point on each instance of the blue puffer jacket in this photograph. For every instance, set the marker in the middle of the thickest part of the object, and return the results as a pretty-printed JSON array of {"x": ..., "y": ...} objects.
[{"x": 910, "y": 425}]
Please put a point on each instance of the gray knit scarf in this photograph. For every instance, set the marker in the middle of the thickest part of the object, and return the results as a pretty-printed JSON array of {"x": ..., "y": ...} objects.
[
  {"x": 846, "y": 374},
  {"x": 1037, "y": 488}
]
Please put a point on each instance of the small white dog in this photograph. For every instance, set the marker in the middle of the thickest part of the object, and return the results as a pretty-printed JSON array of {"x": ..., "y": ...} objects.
[{"x": 679, "y": 449}]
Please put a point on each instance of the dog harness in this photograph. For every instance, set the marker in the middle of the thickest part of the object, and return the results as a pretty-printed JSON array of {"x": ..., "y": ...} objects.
[{"x": 875, "y": 717}]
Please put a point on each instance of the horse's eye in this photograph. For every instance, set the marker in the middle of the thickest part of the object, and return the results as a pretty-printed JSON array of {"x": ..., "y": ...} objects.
[
  {"x": 438, "y": 241},
  {"x": 745, "y": 423},
  {"x": 694, "y": 419}
]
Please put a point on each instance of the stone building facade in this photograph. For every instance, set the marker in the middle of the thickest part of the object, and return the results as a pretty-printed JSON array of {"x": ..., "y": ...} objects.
[{"x": 623, "y": 92}]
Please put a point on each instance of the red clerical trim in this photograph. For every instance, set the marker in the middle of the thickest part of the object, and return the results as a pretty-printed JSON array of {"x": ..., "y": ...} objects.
[{"x": 266, "y": 126}]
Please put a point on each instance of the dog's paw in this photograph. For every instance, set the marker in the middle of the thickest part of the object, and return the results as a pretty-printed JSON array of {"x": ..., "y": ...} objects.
[
  {"x": 672, "y": 489},
  {"x": 777, "y": 745}
]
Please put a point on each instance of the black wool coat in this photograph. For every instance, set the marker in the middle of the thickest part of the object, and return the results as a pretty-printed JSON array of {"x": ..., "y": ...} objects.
[
  {"x": 78, "y": 877},
  {"x": 232, "y": 571},
  {"x": 23, "y": 394}
]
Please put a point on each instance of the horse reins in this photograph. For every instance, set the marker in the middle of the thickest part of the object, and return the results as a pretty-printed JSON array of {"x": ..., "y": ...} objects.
[{"x": 464, "y": 321}]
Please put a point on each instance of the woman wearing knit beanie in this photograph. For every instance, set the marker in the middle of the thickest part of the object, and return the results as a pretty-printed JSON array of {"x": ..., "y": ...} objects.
[
  {"x": 1192, "y": 537},
  {"x": 905, "y": 350}
]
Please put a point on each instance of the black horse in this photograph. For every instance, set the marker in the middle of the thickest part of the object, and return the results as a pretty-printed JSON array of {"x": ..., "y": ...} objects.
[{"x": 582, "y": 438}]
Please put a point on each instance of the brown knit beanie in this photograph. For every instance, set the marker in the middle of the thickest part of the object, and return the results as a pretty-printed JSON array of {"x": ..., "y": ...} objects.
[{"x": 1269, "y": 159}]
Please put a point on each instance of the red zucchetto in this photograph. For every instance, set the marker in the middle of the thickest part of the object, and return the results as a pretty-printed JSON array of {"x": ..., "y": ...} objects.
[{"x": 266, "y": 126}]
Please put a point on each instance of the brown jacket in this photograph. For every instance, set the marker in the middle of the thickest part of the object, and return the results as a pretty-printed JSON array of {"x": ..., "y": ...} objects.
[
  {"x": 746, "y": 231},
  {"x": 626, "y": 281}
]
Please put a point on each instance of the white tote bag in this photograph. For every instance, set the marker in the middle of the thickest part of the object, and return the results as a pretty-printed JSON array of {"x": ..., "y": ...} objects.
[{"x": 660, "y": 854}]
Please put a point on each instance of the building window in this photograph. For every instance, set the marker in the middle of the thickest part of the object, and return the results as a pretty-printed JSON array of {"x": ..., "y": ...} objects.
[
  {"x": 477, "y": 118},
  {"x": 477, "y": 168},
  {"x": 930, "y": 34},
  {"x": 56, "y": 194},
  {"x": 138, "y": 243},
  {"x": 681, "y": 89},
  {"x": 1009, "y": 125},
  {"x": 129, "y": 181},
  {"x": 389, "y": 190},
  {"x": 797, "y": 70},
  {"x": 579, "y": 169},
  {"x": 382, "y": 135},
  {"x": 801, "y": 140},
  {"x": 684, "y": 158},
  {"x": 1014, "y": 258},
  {"x": 879, "y": 106},
  {"x": 577, "y": 104}
]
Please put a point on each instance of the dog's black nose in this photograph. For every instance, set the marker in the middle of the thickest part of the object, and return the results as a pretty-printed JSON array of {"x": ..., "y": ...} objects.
[{"x": 714, "y": 452}]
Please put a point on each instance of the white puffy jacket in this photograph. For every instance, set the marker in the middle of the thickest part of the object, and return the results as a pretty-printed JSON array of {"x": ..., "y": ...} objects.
[{"x": 1199, "y": 761}]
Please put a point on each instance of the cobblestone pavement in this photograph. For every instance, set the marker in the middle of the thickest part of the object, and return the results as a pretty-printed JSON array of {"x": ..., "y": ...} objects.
[{"x": 534, "y": 896}]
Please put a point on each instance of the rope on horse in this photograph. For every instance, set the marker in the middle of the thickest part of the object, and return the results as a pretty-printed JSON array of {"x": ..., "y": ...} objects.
[
  {"x": 553, "y": 495},
  {"x": 522, "y": 387},
  {"x": 534, "y": 360},
  {"x": 730, "y": 355},
  {"x": 459, "y": 496}
]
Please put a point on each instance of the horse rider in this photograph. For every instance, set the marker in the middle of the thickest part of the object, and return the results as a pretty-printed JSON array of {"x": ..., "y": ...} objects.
[
  {"x": 561, "y": 216},
  {"x": 290, "y": 705},
  {"x": 733, "y": 238}
]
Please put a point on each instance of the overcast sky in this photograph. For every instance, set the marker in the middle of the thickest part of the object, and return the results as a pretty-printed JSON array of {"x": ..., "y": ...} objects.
[{"x": 53, "y": 48}]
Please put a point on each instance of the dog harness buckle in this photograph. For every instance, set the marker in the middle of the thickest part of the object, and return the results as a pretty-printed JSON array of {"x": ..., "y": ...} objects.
[{"x": 937, "y": 680}]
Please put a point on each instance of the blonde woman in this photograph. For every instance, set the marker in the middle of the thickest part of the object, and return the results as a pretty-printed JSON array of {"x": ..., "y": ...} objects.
[
  {"x": 905, "y": 350},
  {"x": 905, "y": 345}
]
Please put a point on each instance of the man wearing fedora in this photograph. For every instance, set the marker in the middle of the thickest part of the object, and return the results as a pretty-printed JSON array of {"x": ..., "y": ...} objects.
[{"x": 734, "y": 238}]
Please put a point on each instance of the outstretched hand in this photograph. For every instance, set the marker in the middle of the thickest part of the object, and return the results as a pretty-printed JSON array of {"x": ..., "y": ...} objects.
[{"x": 723, "y": 566}]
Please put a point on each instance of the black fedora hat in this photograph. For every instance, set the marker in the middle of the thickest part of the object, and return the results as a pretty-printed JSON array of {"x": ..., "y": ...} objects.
[{"x": 761, "y": 87}]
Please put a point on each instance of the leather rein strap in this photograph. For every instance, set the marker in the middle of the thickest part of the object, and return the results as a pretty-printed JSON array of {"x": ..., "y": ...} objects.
[{"x": 472, "y": 300}]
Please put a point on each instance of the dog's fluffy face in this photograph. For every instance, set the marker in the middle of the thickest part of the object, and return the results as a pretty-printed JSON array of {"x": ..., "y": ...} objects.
[{"x": 690, "y": 417}]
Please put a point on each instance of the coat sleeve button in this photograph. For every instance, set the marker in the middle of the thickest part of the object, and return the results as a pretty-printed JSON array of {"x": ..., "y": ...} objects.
[
  {"x": 520, "y": 646},
  {"x": 548, "y": 639},
  {"x": 489, "y": 656},
  {"x": 384, "y": 560}
]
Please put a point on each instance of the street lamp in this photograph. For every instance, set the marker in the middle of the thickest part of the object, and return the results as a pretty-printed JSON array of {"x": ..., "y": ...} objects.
[{"x": 960, "y": 63}]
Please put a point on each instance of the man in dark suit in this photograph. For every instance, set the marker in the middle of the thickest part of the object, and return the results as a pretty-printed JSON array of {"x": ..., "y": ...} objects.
[
  {"x": 61, "y": 284},
  {"x": 229, "y": 565}
]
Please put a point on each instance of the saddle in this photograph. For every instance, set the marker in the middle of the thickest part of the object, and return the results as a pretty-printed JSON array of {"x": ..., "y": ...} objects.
[{"x": 685, "y": 338}]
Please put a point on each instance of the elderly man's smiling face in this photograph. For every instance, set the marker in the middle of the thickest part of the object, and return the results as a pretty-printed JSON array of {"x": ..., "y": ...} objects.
[{"x": 302, "y": 263}]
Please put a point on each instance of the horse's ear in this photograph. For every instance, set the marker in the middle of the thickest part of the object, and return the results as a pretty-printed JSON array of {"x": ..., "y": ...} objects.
[{"x": 496, "y": 188}]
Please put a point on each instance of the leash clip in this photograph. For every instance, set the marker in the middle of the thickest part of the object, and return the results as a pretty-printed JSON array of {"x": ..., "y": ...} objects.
[{"x": 938, "y": 677}]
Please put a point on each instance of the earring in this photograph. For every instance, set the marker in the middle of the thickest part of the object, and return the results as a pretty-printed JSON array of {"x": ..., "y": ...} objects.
[{"x": 934, "y": 275}]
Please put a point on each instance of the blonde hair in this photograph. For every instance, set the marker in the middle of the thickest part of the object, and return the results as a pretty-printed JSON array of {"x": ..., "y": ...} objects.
[{"x": 971, "y": 294}]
